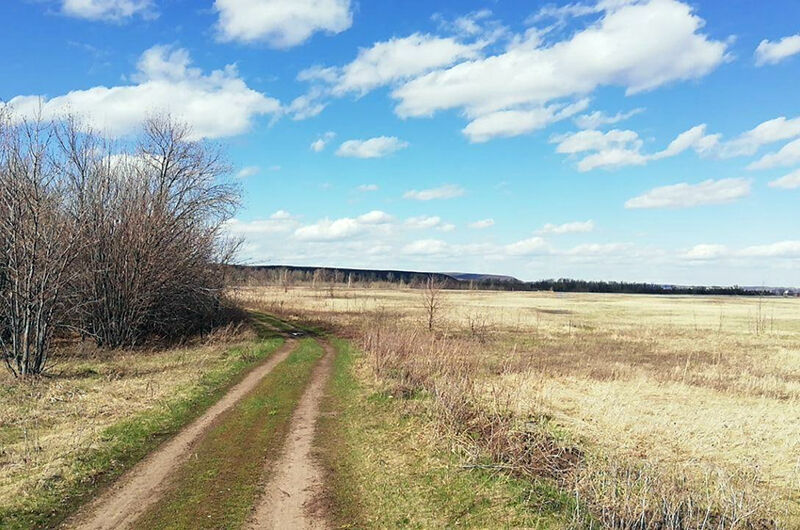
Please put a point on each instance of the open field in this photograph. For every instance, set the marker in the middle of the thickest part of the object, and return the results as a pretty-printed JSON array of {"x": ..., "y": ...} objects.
[{"x": 676, "y": 410}]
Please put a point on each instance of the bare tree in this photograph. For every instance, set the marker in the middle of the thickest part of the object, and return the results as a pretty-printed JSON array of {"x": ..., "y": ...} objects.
[
  {"x": 40, "y": 237},
  {"x": 156, "y": 217},
  {"x": 433, "y": 301}
]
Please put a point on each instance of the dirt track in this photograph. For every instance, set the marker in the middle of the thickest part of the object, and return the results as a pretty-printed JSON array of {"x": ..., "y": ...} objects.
[
  {"x": 140, "y": 487},
  {"x": 289, "y": 497}
]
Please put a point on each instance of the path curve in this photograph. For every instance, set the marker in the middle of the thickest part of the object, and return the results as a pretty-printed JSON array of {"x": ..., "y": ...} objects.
[
  {"x": 120, "y": 505},
  {"x": 291, "y": 494}
]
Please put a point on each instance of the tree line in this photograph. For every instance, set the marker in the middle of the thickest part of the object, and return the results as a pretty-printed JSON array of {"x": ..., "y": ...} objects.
[
  {"x": 112, "y": 242},
  {"x": 291, "y": 275}
]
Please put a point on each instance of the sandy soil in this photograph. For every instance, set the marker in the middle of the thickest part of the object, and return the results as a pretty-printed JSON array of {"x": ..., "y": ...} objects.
[{"x": 129, "y": 497}]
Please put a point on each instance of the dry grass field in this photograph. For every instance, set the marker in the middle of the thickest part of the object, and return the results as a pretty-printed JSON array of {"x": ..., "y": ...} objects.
[{"x": 672, "y": 411}]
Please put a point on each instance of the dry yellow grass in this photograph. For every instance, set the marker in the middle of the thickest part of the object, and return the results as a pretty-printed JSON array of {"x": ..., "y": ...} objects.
[
  {"x": 702, "y": 393},
  {"x": 46, "y": 422}
]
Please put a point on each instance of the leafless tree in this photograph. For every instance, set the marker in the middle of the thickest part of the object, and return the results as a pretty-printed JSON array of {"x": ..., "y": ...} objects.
[
  {"x": 156, "y": 218},
  {"x": 41, "y": 233},
  {"x": 433, "y": 300}
]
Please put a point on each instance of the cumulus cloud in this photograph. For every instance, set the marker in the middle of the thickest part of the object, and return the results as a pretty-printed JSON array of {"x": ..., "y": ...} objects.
[
  {"x": 320, "y": 143},
  {"x": 597, "y": 249},
  {"x": 789, "y": 182},
  {"x": 423, "y": 221},
  {"x": 215, "y": 105},
  {"x": 280, "y": 23},
  {"x": 341, "y": 229},
  {"x": 768, "y": 132},
  {"x": 248, "y": 171},
  {"x": 448, "y": 191},
  {"x": 279, "y": 222},
  {"x": 364, "y": 188},
  {"x": 372, "y": 148},
  {"x": 567, "y": 228},
  {"x": 706, "y": 252},
  {"x": 618, "y": 148},
  {"x": 519, "y": 121},
  {"x": 375, "y": 217},
  {"x": 788, "y": 155},
  {"x": 483, "y": 223},
  {"x": 109, "y": 10},
  {"x": 426, "y": 247},
  {"x": 398, "y": 58},
  {"x": 769, "y": 52},
  {"x": 781, "y": 249},
  {"x": 695, "y": 138},
  {"x": 597, "y": 119},
  {"x": 528, "y": 247},
  {"x": 686, "y": 195},
  {"x": 636, "y": 45}
]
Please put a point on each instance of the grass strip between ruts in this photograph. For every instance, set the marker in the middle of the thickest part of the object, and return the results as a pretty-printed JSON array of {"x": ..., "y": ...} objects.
[{"x": 220, "y": 483}]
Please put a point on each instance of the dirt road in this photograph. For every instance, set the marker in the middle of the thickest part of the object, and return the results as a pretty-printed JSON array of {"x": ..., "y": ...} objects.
[
  {"x": 291, "y": 497},
  {"x": 134, "y": 492}
]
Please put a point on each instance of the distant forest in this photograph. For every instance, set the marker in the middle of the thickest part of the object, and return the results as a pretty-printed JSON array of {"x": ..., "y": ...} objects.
[{"x": 241, "y": 275}]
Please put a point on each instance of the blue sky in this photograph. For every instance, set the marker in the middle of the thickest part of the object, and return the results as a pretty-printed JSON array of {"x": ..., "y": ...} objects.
[{"x": 646, "y": 140}]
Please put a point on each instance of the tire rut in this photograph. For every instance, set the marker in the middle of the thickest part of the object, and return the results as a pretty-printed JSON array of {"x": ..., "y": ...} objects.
[
  {"x": 120, "y": 505},
  {"x": 290, "y": 498}
]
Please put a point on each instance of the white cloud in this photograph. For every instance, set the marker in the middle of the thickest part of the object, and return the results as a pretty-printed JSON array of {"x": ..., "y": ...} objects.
[
  {"x": 423, "y": 221},
  {"x": 519, "y": 121},
  {"x": 567, "y": 228},
  {"x": 781, "y": 249},
  {"x": 280, "y": 23},
  {"x": 448, "y": 191},
  {"x": 597, "y": 119},
  {"x": 375, "y": 217},
  {"x": 320, "y": 143},
  {"x": 706, "y": 252},
  {"x": 483, "y": 223},
  {"x": 686, "y": 195},
  {"x": 279, "y": 222},
  {"x": 108, "y": 10},
  {"x": 367, "y": 188},
  {"x": 281, "y": 214},
  {"x": 528, "y": 247},
  {"x": 446, "y": 227},
  {"x": 589, "y": 140},
  {"x": 215, "y": 105},
  {"x": 327, "y": 230},
  {"x": 764, "y": 133},
  {"x": 788, "y": 155},
  {"x": 247, "y": 172},
  {"x": 769, "y": 52},
  {"x": 372, "y": 148},
  {"x": 695, "y": 138},
  {"x": 597, "y": 249},
  {"x": 396, "y": 59},
  {"x": 637, "y": 45},
  {"x": 345, "y": 228},
  {"x": 618, "y": 148},
  {"x": 789, "y": 182},
  {"x": 426, "y": 247}
]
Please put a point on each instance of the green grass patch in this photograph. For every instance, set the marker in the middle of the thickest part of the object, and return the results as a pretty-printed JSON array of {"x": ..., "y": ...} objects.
[
  {"x": 218, "y": 487},
  {"x": 127, "y": 442},
  {"x": 386, "y": 467}
]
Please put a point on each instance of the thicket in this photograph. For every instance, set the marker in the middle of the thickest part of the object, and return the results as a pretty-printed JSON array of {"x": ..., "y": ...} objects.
[{"x": 115, "y": 242}]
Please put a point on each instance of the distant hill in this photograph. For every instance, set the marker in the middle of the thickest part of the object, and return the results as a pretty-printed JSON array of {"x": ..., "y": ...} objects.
[
  {"x": 288, "y": 274},
  {"x": 468, "y": 276}
]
